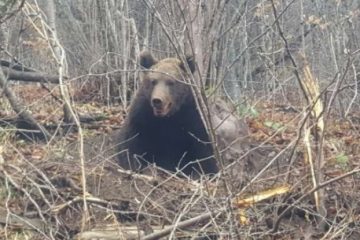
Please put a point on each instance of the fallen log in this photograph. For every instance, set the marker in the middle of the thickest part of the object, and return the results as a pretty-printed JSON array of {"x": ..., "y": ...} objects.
[
  {"x": 20, "y": 108},
  {"x": 29, "y": 76}
]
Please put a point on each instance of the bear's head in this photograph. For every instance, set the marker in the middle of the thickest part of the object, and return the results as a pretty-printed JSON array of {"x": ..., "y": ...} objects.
[{"x": 166, "y": 84}]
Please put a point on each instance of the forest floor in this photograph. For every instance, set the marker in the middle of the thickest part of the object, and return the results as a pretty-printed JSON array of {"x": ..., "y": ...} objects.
[{"x": 41, "y": 184}]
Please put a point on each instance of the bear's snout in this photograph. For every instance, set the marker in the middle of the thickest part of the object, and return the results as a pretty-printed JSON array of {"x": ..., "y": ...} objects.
[
  {"x": 161, "y": 107},
  {"x": 161, "y": 100},
  {"x": 157, "y": 103}
]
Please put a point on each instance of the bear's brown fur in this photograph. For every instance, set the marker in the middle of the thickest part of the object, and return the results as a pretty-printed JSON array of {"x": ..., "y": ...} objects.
[{"x": 163, "y": 125}]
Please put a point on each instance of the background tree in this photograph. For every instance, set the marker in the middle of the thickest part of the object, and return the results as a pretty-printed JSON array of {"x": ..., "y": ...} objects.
[{"x": 235, "y": 43}]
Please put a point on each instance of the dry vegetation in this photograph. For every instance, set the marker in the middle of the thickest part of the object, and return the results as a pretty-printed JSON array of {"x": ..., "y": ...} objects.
[{"x": 290, "y": 68}]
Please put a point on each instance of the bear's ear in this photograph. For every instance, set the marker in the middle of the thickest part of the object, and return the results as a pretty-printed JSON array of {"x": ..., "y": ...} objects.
[
  {"x": 147, "y": 60},
  {"x": 190, "y": 62}
]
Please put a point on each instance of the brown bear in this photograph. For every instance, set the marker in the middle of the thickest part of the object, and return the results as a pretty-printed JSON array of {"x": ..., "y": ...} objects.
[{"x": 163, "y": 125}]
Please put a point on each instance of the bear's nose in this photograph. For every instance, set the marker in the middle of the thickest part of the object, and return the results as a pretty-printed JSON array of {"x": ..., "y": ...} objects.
[{"x": 157, "y": 103}]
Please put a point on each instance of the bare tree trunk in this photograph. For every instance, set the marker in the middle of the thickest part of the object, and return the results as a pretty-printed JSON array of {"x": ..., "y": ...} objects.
[
  {"x": 203, "y": 21},
  {"x": 196, "y": 26},
  {"x": 50, "y": 11},
  {"x": 4, "y": 36},
  {"x": 60, "y": 57}
]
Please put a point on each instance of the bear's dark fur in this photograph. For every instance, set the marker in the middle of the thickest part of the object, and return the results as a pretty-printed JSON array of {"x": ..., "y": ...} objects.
[{"x": 163, "y": 125}]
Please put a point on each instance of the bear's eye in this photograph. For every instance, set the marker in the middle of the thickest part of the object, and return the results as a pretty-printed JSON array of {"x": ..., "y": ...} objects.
[
  {"x": 153, "y": 82},
  {"x": 170, "y": 82}
]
